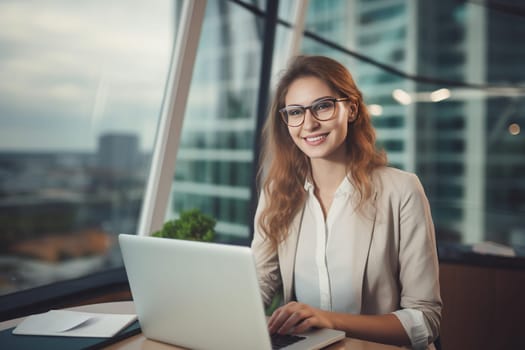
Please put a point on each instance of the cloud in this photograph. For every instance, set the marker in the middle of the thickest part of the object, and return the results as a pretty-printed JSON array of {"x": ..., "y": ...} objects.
[{"x": 82, "y": 62}]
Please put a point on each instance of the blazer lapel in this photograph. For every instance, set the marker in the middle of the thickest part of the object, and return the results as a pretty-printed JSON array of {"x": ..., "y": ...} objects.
[
  {"x": 362, "y": 233},
  {"x": 287, "y": 254}
]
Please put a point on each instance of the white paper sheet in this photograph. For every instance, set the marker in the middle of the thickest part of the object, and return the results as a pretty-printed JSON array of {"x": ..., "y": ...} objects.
[{"x": 67, "y": 323}]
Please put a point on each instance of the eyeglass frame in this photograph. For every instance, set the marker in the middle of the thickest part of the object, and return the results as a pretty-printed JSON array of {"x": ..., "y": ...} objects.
[{"x": 283, "y": 110}]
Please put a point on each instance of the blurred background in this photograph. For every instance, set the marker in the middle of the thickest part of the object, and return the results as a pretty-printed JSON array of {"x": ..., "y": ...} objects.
[{"x": 83, "y": 85}]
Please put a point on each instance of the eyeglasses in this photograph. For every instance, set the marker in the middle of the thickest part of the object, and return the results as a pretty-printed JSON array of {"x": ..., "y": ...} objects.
[{"x": 324, "y": 109}]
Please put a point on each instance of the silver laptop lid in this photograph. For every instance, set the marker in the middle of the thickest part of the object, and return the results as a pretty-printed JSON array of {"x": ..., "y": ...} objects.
[{"x": 196, "y": 295}]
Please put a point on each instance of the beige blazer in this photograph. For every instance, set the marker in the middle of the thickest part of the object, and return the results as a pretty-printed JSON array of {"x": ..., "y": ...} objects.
[{"x": 394, "y": 252}]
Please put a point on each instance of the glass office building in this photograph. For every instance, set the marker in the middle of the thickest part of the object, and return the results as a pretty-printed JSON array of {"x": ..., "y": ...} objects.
[
  {"x": 85, "y": 90},
  {"x": 464, "y": 144}
]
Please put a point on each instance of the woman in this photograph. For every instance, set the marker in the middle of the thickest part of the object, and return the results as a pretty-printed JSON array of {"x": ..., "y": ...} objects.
[{"x": 348, "y": 241}]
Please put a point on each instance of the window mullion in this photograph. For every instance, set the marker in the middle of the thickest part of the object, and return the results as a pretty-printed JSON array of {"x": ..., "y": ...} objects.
[{"x": 162, "y": 168}]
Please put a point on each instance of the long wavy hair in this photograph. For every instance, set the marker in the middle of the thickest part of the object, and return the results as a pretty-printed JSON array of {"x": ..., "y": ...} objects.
[{"x": 284, "y": 167}]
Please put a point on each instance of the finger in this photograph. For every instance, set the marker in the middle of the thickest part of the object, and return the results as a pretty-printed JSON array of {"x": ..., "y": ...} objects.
[
  {"x": 276, "y": 320},
  {"x": 280, "y": 316},
  {"x": 290, "y": 323},
  {"x": 304, "y": 325}
]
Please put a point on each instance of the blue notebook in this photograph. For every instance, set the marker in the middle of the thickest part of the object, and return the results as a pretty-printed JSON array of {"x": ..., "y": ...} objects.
[{"x": 30, "y": 342}]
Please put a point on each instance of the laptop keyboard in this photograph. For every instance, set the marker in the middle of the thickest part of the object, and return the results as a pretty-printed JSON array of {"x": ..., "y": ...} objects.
[{"x": 280, "y": 341}]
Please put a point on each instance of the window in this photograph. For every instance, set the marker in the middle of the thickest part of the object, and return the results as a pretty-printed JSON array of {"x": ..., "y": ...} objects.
[
  {"x": 392, "y": 122},
  {"x": 214, "y": 169},
  {"x": 81, "y": 90}
]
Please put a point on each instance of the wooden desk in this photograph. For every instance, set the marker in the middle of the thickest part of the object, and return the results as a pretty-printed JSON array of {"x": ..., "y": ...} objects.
[{"x": 139, "y": 342}]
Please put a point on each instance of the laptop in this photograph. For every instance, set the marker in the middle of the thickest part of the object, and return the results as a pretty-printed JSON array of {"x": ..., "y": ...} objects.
[{"x": 202, "y": 295}]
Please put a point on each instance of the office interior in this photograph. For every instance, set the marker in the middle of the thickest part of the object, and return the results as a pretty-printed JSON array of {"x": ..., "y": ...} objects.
[{"x": 118, "y": 115}]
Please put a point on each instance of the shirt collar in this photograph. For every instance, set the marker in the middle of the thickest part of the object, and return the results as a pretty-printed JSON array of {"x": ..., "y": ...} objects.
[
  {"x": 308, "y": 186},
  {"x": 344, "y": 188}
]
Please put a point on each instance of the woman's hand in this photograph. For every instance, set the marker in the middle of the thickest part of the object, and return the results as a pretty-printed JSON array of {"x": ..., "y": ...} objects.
[{"x": 297, "y": 317}]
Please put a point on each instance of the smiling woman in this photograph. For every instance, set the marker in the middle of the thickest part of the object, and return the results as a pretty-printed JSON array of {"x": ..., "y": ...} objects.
[
  {"x": 80, "y": 97},
  {"x": 349, "y": 241}
]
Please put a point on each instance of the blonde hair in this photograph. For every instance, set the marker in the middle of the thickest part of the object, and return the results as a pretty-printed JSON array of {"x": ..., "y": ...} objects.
[{"x": 289, "y": 167}]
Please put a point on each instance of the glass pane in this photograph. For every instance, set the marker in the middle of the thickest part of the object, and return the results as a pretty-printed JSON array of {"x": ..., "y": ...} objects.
[
  {"x": 465, "y": 143},
  {"x": 286, "y": 10},
  {"x": 214, "y": 168},
  {"x": 80, "y": 95},
  {"x": 258, "y": 4}
]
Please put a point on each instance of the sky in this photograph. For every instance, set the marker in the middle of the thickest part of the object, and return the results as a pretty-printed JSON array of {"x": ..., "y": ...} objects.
[{"x": 73, "y": 70}]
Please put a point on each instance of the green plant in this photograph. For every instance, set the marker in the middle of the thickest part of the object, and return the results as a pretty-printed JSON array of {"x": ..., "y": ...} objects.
[{"x": 192, "y": 225}]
